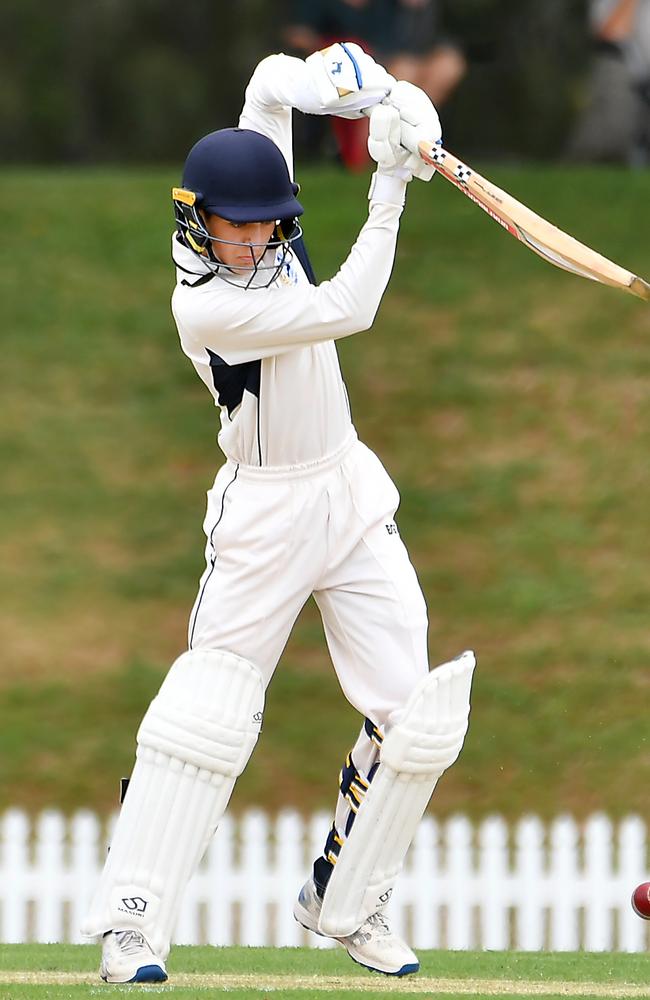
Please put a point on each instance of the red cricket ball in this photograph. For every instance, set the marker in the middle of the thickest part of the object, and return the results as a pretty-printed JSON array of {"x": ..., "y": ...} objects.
[{"x": 641, "y": 900}]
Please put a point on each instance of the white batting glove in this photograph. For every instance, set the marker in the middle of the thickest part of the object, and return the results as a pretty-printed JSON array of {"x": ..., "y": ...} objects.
[
  {"x": 347, "y": 79},
  {"x": 388, "y": 183},
  {"x": 384, "y": 142},
  {"x": 418, "y": 121}
]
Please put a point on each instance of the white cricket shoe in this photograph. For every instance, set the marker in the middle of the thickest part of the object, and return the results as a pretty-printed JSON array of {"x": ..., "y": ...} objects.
[
  {"x": 128, "y": 958},
  {"x": 373, "y": 944}
]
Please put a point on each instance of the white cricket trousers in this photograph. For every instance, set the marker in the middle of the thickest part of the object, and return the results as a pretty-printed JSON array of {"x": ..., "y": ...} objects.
[{"x": 277, "y": 535}]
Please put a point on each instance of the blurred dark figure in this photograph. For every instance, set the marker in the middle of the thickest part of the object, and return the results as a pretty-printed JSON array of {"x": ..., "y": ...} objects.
[
  {"x": 615, "y": 125},
  {"x": 419, "y": 51},
  {"x": 404, "y": 35}
]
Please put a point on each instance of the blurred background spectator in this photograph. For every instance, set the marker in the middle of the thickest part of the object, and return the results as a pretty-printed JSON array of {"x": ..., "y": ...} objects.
[
  {"x": 615, "y": 124},
  {"x": 406, "y": 36},
  {"x": 127, "y": 81}
]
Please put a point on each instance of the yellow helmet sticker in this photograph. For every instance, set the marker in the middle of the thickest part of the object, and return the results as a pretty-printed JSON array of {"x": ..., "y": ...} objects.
[{"x": 184, "y": 196}]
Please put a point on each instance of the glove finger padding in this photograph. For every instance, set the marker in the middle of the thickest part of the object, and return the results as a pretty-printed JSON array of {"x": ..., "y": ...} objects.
[
  {"x": 418, "y": 121},
  {"x": 384, "y": 137}
]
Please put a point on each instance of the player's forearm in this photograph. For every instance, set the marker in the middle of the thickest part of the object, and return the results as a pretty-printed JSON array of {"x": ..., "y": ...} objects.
[
  {"x": 281, "y": 82},
  {"x": 358, "y": 287}
]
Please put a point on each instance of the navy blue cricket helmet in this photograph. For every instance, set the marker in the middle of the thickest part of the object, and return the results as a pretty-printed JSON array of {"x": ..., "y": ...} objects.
[{"x": 242, "y": 176}]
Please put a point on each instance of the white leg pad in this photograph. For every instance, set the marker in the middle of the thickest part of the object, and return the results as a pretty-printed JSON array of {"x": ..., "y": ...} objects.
[
  {"x": 194, "y": 741},
  {"x": 425, "y": 740}
]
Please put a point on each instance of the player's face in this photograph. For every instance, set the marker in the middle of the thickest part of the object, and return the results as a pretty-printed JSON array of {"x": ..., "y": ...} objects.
[{"x": 239, "y": 249}]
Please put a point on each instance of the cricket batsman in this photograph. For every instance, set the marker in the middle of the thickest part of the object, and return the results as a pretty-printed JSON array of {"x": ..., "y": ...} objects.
[{"x": 300, "y": 507}]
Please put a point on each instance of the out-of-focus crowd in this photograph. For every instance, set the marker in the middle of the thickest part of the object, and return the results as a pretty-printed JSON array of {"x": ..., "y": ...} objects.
[
  {"x": 615, "y": 123},
  {"x": 410, "y": 38}
]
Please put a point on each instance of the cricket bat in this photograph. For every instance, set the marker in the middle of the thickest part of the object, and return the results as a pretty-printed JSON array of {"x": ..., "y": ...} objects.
[{"x": 530, "y": 229}]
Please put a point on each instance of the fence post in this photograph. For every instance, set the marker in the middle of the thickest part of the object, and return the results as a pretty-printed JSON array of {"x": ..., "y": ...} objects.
[
  {"x": 424, "y": 873},
  {"x": 288, "y": 872},
  {"x": 531, "y": 881},
  {"x": 493, "y": 884},
  {"x": 632, "y": 868},
  {"x": 48, "y": 871},
  {"x": 84, "y": 868},
  {"x": 563, "y": 882},
  {"x": 254, "y": 832},
  {"x": 461, "y": 881},
  {"x": 15, "y": 888},
  {"x": 598, "y": 882}
]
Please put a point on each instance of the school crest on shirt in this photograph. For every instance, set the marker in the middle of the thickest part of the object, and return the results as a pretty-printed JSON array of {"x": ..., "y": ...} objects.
[{"x": 288, "y": 274}]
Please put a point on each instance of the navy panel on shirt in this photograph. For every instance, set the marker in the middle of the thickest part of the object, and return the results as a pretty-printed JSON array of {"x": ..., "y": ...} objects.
[{"x": 230, "y": 381}]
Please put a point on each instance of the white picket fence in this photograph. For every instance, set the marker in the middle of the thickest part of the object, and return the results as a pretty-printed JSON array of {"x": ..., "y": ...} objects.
[{"x": 530, "y": 886}]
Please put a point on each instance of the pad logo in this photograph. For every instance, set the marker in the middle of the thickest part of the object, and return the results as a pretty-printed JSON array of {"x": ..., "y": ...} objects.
[
  {"x": 135, "y": 905},
  {"x": 258, "y": 717},
  {"x": 336, "y": 67},
  {"x": 385, "y": 896},
  {"x": 392, "y": 528}
]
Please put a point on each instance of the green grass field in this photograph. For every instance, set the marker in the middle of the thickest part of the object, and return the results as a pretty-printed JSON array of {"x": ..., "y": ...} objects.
[
  {"x": 53, "y": 972},
  {"x": 510, "y": 402}
]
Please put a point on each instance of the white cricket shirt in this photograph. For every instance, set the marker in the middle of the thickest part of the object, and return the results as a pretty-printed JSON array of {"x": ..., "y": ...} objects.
[{"x": 268, "y": 355}]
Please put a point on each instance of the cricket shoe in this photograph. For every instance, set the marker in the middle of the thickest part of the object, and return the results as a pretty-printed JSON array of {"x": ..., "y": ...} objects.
[
  {"x": 128, "y": 958},
  {"x": 373, "y": 944}
]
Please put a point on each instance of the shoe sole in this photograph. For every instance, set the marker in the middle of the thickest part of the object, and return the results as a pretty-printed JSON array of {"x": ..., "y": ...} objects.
[
  {"x": 406, "y": 970},
  {"x": 150, "y": 974},
  {"x": 145, "y": 974}
]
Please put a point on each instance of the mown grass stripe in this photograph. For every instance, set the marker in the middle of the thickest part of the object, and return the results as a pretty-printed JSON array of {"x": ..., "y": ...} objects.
[{"x": 421, "y": 985}]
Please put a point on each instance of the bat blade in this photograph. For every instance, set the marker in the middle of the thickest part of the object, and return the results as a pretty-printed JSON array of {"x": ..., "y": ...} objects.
[
  {"x": 540, "y": 236},
  {"x": 640, "y": 288}
]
